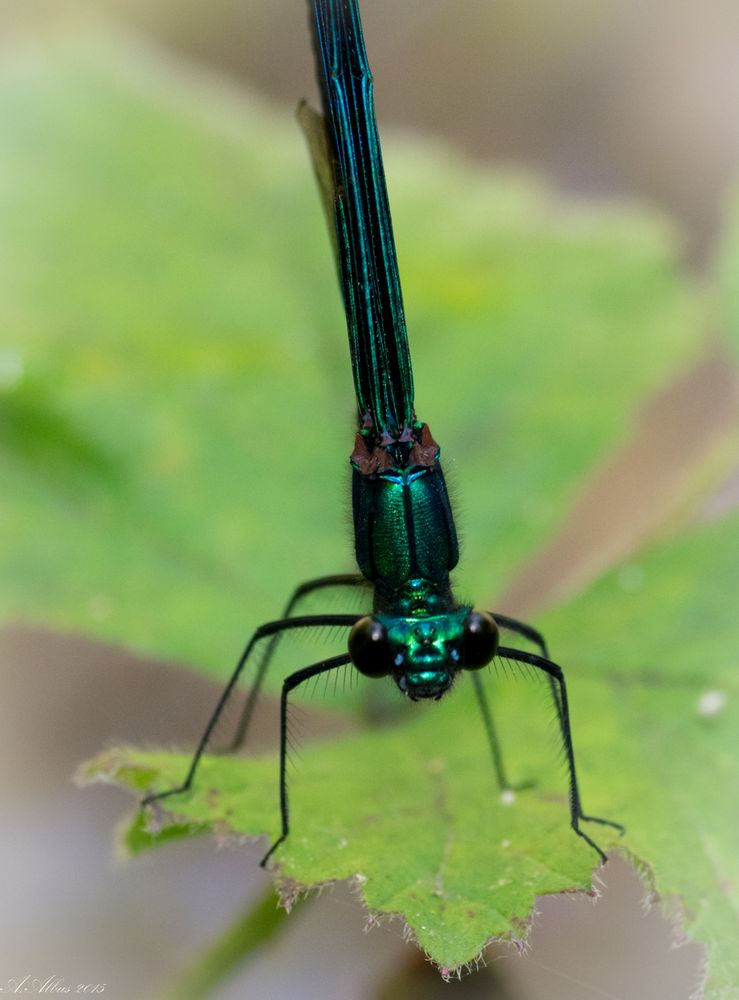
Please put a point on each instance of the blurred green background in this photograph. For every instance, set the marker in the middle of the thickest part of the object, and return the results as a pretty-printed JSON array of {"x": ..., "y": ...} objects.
[
  {"x": 636, "y": 98},
  {"x": 603, "y": 99}
]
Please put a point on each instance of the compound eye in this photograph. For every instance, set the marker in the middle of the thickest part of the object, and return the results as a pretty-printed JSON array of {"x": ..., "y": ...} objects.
[
  {"x": 369, "y": 647},
  {"x": 479, "y": 640}
]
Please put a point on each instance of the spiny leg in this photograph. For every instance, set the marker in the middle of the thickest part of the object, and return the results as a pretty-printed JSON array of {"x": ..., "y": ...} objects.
[
  {"x": 264, "y": 631},
  {"x": 299, "y": 594},
  {"x": 522, "y": 629},
  {"x": 288, "y": 685},
  {"x": 535, "y": 636},
  {"x": 555, "y": 672},
  {"x": 487, "y": 718},
  {"x": 530, "y": 633},
  {"x": 322, "y": 583}
]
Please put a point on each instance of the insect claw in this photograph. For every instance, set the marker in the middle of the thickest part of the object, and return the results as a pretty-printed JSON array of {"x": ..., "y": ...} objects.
[
  {"x": 586, "y": 838},
  {"x": 270, "y": 852}
]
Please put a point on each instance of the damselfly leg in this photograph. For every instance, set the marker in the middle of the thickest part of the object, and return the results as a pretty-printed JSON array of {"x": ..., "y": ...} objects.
[
  {"x": 530, "y": 633},
  {"x": 554, "y": 672},
  {"x": 264, "y": 632},
  {"x": 337, "y": 582},
  {"x": 289, "y": 684}
]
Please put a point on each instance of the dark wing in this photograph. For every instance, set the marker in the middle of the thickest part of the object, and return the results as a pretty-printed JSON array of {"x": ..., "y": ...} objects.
[{"x": 313, "y": 125}]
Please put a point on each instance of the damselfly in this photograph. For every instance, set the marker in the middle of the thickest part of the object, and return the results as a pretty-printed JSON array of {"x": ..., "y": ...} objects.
[{"x": 405, "y": 539}]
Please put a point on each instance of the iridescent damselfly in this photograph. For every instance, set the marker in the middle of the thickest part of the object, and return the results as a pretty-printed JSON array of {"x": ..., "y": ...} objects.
[{"x": 405, "y": 538}]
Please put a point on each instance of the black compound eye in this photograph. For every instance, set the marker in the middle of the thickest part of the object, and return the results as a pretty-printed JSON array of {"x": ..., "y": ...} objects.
[
  {"x": 369, "y": 647},
  {"x": 479, "y": 641}
]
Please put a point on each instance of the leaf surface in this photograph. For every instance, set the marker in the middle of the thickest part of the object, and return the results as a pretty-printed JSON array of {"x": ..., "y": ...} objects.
[{"x": 412, "y": 813}]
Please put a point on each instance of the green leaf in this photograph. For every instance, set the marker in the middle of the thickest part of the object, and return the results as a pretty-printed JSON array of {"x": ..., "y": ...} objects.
[
  {"x": 176, "y": 399},
  {"x": 669, "y": 711},
  {"x": 411, "y": 813},
  {"x": 137, "y": 837}
]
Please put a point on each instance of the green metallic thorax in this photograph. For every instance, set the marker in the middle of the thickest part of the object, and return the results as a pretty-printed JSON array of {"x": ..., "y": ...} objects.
[{"x": 406, "y": 543}]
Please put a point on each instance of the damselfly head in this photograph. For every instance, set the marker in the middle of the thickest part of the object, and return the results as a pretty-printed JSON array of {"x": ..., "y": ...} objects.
[
  {"x": 419, "y": 684},
  {"x": 423, "y": 654}
]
